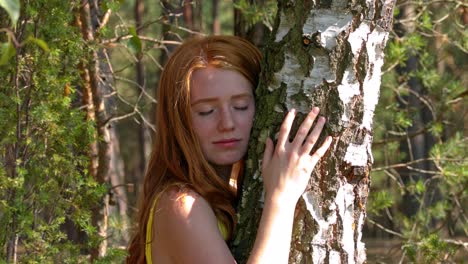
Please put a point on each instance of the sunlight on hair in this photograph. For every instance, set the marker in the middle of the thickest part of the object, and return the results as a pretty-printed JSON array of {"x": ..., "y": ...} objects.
[
  {"x": 236, "y": 167},
  {"x": 233, "y": 183}
]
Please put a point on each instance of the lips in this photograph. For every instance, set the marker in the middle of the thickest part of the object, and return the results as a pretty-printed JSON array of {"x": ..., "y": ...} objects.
[{"x": 231, "y": 142}]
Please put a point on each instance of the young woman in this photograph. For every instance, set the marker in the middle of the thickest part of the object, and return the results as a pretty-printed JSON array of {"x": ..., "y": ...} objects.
[{"x": 205, "y": 113}]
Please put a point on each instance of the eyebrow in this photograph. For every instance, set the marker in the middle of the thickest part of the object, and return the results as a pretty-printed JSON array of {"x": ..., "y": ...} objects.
[{"x": 213, "y": 99}]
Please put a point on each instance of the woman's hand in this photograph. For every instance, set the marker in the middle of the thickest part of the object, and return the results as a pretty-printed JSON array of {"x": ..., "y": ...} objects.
[{"x": 286, "y": 168}]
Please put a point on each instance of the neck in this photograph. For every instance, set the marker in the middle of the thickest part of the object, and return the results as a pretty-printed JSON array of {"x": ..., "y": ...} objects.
[{"x": 224, "y": 171}]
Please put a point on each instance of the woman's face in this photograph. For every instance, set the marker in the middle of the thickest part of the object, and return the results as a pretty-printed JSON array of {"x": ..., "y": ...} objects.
[{"x": 222, "y": 107}]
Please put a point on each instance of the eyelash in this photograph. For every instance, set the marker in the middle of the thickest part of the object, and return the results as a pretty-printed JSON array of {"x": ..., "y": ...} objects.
[
  {"x": 205, "y": 113},
  {"x": 239, "y": 108}
]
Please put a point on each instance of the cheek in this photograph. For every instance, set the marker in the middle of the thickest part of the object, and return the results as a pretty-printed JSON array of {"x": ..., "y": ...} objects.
[
  {"x": 197, "y": 126},
  {"x": 202, "y": 126},
  {"x": 248, "y": 120}
]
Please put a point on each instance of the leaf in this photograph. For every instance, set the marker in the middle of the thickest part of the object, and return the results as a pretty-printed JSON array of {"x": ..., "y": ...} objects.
[
  {"x": 134, "y": 44},
  {"x": 132, "y": 31},
  {"x": 13, "y": 9},
  {"x": 7, "y": 50},
  {"x": 420, "y": 187},
  {"x": 426, "y": 21},
  {"x": 381, "y": 200},
  {"x": 42, "y": 44},
  {"x": 402, "y": 120},
  {"x": 436, "y": 129}
]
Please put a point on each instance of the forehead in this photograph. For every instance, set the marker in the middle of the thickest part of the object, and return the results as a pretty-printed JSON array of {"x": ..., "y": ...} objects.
[{"x": 217, "y": 82}]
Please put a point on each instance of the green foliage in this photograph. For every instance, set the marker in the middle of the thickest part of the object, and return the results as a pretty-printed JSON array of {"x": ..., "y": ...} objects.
[
  {"x": 402, "y": 120},
  {"x": 134, "y": 44},
  {"x": 113, "y": 5},
  {"x": 380, "y": 201},
  {"x": 7, "y": 51},
  {"x": 254, "y": 12},
  {"x": 45, "y": 189},
  {"x": 114, "y": 255},
  {"x": 13, "y": 9},
  {"x": 430, "y": 250},
  {"x": 421, "y": 112}
]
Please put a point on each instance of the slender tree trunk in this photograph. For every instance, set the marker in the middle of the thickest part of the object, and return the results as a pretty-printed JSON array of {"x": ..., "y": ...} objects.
[
  {"x": 327, "y": 54},
  {"x": 416, "y": 147},
  {"x": 239, "y": 23},
  {"x": 118, "y": 192},
  {"x": 188, "y": 14},
  {"x": 192, "y": 12},
  {"x": 216, "y": 25},
  {"x": 12, "y": 236},
  {"x": 198, "y": 16},
  {"x": 89, "y": 22},
  {"x": 140, "y": 75},
  {"x": 256, "y": 33},
  {"x": 13, "y": 159}
]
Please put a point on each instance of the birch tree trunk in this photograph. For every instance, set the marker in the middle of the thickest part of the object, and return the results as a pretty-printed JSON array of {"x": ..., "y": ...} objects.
[{"x": 327, "y": 54}]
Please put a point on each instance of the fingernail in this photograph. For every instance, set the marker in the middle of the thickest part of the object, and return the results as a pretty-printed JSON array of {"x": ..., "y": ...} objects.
[
  {"x": 316, "y": 110},
  {"x": 323, "y": 119},
  {"x": 292, "y": 111}
]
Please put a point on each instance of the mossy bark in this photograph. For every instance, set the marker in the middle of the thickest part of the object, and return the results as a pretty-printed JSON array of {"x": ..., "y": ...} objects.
[{"x": 327, "y": 54}]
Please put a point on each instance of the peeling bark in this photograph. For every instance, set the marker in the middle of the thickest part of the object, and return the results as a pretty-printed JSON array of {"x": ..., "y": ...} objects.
[{"x": 327, "y": 54}]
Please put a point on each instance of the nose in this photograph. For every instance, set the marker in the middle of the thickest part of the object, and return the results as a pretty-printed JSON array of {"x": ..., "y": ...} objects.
[{"x": 226, "y": 120}]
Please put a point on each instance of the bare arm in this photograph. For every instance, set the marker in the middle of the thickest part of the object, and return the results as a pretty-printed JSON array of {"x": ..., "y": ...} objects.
[{"x": 286, "y": 171}]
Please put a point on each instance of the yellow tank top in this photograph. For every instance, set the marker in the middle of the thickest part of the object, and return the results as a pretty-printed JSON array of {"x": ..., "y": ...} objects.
[{"x": 149, "y": 232}]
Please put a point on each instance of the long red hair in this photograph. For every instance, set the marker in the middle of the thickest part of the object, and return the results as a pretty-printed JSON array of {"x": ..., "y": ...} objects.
[{"x": 177, "y": 157}]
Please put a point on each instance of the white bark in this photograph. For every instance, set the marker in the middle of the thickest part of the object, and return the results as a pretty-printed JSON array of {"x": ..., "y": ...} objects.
[{"x": 338, "y": 67}]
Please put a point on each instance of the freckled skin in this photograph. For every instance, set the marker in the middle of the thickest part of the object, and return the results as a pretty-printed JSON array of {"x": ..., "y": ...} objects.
[{"x": 222, "y": 108}]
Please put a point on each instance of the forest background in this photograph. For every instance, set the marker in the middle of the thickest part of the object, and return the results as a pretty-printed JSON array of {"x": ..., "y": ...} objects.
[{"x": 77, "y": 97}]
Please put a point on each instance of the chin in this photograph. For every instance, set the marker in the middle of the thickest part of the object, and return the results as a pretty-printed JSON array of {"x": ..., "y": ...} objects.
[{"x": 225, "y": 161}]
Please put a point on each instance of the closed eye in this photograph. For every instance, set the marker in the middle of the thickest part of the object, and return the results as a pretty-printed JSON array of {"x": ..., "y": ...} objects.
[
  {"x": 241, "y": 108},
  {"x": 205, "y": 113}
]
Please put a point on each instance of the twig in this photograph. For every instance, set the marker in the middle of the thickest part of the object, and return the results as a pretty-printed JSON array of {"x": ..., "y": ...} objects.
[
  {"x": 12, "y": 36},
  {"x": 105, "y": 19},
  {"x": 384, "y": 228},
  {"x": 137, "y": 85},
  {"x": 457, "y": 242},
  {"x": 145, "y": 38}
]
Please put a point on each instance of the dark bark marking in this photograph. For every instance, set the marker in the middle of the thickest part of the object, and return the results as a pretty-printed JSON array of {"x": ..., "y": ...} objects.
[
  {"x": 342, "y": 50},
  {"x": 333, "y": 109},
  {"x": 324, "y": 4},
  {"x": 361, "y": 66}
]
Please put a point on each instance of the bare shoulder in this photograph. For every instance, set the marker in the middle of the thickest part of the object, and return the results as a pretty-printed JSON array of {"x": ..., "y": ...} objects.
[
  {"x": 185, "y": 222},
  {"x": 181, "y": 203}
]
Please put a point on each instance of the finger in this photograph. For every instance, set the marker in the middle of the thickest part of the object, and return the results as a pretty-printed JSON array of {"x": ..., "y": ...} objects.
[
  {"x": 304, "y": 128},
  {"x": 312, "y": 138},
  {"x": 321, "y": 151},
  {"x": 286, "y": 128},
  {"x": 267, "y": 154}
]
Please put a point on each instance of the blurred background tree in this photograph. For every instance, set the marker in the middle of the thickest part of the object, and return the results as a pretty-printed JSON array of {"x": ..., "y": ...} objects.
[
  {"x": 51, "y": 131},
  {"x": 420, "y": 176}
]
